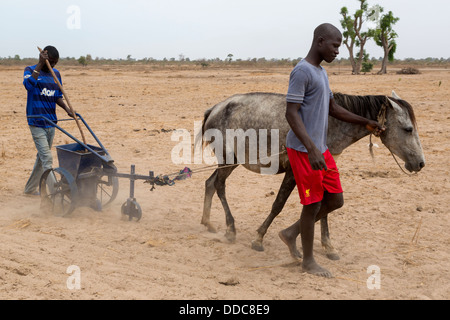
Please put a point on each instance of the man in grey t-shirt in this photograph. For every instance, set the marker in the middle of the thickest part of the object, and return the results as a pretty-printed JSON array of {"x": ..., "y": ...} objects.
[
  {"x": 309, "y": 103},
  {"x": 309, "y": 87}
]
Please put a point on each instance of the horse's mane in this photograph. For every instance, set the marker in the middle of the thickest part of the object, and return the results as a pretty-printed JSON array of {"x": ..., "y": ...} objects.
[{"x": 370, "y": 105}]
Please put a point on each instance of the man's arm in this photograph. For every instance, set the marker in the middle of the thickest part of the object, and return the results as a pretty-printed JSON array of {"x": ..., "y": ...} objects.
[
  {"x": 60, "y": 102},
  {"x": 338, "y": 112},
  {"x": 316, "y": 158},
  {"x": 42, "y": 57},
  {"x": 31, "y": 76}
]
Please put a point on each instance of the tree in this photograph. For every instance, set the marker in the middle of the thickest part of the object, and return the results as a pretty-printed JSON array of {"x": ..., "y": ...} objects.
[
  {"x": 353, "y": 33},
  {"x": 83, "y": 61},
  {"x": 367, "y": 66},
  {"x": 385, "y": 37}
]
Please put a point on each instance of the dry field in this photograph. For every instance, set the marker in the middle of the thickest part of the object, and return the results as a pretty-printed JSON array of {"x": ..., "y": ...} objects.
[{"x": 397, "y": 222}]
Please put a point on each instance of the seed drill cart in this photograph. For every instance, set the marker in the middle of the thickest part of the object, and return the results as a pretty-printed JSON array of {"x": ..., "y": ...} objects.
[{"x": 86, "y": 176}]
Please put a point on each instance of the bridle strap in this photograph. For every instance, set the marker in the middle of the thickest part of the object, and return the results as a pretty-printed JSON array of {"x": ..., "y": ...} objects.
[{"x": 381, "y": 118}]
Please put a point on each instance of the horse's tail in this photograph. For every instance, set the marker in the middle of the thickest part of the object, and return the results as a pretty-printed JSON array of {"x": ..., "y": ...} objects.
[{"x": 199, "y": 137}]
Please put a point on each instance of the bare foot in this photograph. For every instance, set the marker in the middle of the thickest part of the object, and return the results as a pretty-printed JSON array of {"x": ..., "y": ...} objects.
[
  {"x": 291, "y": 243},
  {"x": 313, "y": 268}
]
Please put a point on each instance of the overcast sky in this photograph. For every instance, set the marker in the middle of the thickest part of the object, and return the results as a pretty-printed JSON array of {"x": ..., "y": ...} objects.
[{"x": 205, "y": 28}]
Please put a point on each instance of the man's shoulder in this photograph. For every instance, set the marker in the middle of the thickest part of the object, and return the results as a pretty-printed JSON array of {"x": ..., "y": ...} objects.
[
  {"x": 304, "y": 66},
  {"x": 302, "y": 70}
]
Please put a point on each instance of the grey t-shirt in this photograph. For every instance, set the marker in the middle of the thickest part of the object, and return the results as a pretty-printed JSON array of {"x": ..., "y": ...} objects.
[{"x": 309, "y": 86}]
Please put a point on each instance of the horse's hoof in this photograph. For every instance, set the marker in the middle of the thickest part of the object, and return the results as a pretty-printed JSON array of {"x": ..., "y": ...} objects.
[
  {"x": 231, "y": 237},
  {"x": 333, "y": 256},
  {"x": 257, "y": 246},
  {"x": 296, "y": 254},
  {"x": 209, "y": 227}
]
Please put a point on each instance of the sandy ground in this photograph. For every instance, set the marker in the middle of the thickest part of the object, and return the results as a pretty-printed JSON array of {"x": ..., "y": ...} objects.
[{"x": 396, "y": 222}]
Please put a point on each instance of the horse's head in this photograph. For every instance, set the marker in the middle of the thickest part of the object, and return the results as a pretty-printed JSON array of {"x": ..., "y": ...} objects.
[{"x": 401, "y": 136}]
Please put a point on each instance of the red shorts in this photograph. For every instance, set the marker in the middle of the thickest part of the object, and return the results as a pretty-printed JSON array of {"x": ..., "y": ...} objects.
[{"x": 311, "y": 184}]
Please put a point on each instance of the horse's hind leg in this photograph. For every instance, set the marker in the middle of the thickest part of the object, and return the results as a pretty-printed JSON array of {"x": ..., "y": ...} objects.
[
  {"x": 210, "y": 190},
  {"x": 216, "y": 183},
  {"x": 285, "y": 191},
  {"x": 219, "y": 183}
]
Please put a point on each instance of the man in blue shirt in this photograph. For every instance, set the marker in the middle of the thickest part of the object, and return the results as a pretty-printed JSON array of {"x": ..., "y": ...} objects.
[{"x": 43, "y": 96}]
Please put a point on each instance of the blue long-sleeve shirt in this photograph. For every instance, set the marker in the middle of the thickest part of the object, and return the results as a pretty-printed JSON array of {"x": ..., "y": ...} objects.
[{"x": 42, "y": 96}]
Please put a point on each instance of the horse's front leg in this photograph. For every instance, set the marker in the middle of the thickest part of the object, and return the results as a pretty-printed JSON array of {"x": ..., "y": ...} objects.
[
  {"x": 330, "y": 252},
  {"x": 285, "y": 191}
]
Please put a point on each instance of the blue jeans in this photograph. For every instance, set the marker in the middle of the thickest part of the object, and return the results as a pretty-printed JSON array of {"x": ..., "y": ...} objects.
[{"x": 43, "y": 140}]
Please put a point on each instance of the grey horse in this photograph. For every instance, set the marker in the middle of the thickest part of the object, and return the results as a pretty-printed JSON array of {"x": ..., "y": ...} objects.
[{"x": 264, "y": 113}]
